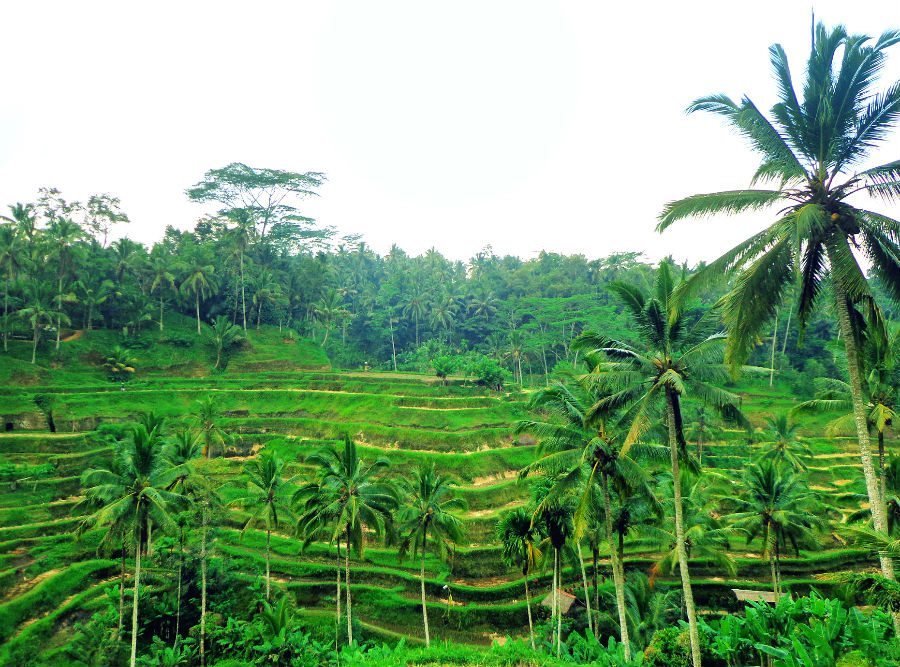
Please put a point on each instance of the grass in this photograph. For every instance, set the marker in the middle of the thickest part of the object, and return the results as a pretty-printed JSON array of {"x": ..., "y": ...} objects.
[{"x": 283, "y": 395}]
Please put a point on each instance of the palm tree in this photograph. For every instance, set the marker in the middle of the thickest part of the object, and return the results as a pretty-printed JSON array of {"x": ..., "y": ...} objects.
[
  {"x": 584, "y": 460},
  {"x": 199, "y": 281},
  {"x": 416, "y": 306},
  {"x": 327, "y": 310},
  {"x": 318, "y": 517},
  {"x": 10, "y": 262},
  {"x": 427, "y": 512},
  {"x": 516, "y": 351},
  {"x": 811, "y": 152},
  {"x": 241, "y": 235},
  {"x": 774, "y": 503},
  {"x": 207, "y": 417},
  {"x": 119, "y": 363},
  {"x": 93, "y": 293},
  {"x": 707, "y": 536},
  {"x": 39, "y": 312},
  {"x": 135, "y": 493},
  {"x": 163, "y": 277},
  {"x": 554, "y": 516},
  {"x": 223, "y": 334},
  {"x": 265, "y": 291},
  {"x": 701, "y": 430},
  {"x": 183, "y": 448},
  {"x": 677, "y": 353},
  {"x": 262, "y": 494},
  {"x": 783, "y": 444},
  {"x": 63, "y": 235},
  {"x": 358, "y": 500},
  {"x": 520, "y": 540}
]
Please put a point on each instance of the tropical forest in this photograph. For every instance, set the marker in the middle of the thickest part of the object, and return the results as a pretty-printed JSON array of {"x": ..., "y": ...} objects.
[{"x": 259, "y": 441}]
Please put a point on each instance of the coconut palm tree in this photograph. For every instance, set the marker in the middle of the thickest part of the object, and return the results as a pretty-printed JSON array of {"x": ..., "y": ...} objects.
[
  {"x": 520, "y": 540},
  {"x": 206, "y": 416},
  {"x": 359, "y": 500},
  {"x": 120, "y": 363},
  {"x": 416, "y": 307},
  {"x": 62, "y": 234},
  {"x": 317, "y": 518},
  {"x": 677, "y": 353},
  {"x": 11, "y": 250},
  {"x": 183, "y": 447},
  {"x": 200, "y": 281},
  {"x": 516, "y": 352},
  {"x": 702, "y": 430},
  {"x": 774, "y": 503},
  {"x": 262, "y": 494},
  {"x": 92, "y": 293},
  {"x": 329, "y": 309},
  {"x": 584, "y": 460},
  {"x": 782, "y": 443},
  {"x": 162, "y": 271},
  {"x": 38, "y": 310},
  {"x": 223, "y": 335},
  {"x": 812, "y": 153},
  {"x": 266, "y": 291},
  {"x": 427, "y": 511},
  {"x": 241, "y": 235},
  {"x": 707, "y": 536},
  {"x": 554, "y": 516},
  {"x": 136, "y": 493}
]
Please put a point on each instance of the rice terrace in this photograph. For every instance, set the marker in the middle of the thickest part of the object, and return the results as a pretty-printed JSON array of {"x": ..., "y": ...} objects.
[{"x": 255, "y": 439}]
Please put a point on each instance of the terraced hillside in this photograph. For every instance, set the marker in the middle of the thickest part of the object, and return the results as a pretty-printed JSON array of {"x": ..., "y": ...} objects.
[{"x": 282, "y": 395}]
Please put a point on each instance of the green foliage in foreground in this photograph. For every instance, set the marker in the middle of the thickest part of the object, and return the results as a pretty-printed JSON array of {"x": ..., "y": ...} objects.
[{"x": 808, "y": 632}]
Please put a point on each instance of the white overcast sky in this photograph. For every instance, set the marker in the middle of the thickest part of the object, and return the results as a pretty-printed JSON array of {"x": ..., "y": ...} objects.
[{"x": 526, "y": 125}]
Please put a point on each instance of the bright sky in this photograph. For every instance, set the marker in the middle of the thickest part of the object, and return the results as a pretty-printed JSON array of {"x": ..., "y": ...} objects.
[{"x": 527, "y": 125}]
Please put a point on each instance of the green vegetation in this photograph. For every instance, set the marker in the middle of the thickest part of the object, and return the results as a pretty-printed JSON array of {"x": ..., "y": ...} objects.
[{"x": 263, "y": 449}]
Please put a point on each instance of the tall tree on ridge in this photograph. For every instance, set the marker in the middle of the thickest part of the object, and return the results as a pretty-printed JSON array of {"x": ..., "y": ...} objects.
[
  {"x": 677, "y": 354},
  {"x": 811, "y": 152},
  {"x": 427, "y": 512}
]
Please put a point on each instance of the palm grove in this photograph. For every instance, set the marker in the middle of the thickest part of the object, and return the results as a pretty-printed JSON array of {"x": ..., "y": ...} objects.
[{"x": 631, "y": 368}]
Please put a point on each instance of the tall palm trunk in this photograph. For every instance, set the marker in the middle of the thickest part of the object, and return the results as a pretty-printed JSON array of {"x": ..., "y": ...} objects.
[
  {"x": 618, "y": 569},
  {"x": 203, "y": 590},
  {"x": 35, "y": 343},
  {"x": 180, "y": 570},
  {"x": 197, "y": 304},
  {"x": 424, "y": 606},
  {"x": 347, "y": 582},
  {"x": 774, "y": 347},
  {"x": 558, "y": 605},
  {"x": 59, "y": 314},
  {"x": 882, "y": 471},
  {"x": 773, "y": 567},
  {"x": 121, "y": 595},
  {"x": 337, "y": 585},
  {"x": 679, "y": 534},
  {"x": 787, "y": 330},
  {"x": 268, "y": 568},
  {"x": 6, "y": 316},
  {"x": 134, "y": 608},
  {"x": 393, "y": 347},
  {"x": 528, "y": 607},
  {"x": 587, "y": 591},
  {"x": 161, "y": 311},
  {"x": 862, "y": 429},
  {"x": 243, "y": 294},
  {"x": 595, "y": 555}
]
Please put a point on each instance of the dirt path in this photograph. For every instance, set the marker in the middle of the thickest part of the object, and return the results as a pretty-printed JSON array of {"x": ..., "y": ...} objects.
[
  {"x": 28, "y": 584},
  {"x": 75, "y": 335}
]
